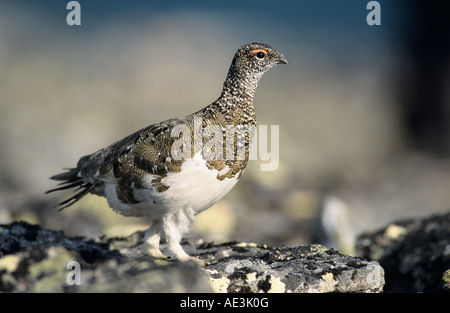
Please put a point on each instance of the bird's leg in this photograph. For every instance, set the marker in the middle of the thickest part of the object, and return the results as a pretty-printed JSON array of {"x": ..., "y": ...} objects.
[
  {"x": 173, "y": 233},
  {"x": 151, "y": 240}
]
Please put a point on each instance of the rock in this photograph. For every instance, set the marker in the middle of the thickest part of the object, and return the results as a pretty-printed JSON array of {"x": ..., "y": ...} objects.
[
  {"x": 248, "y": 267},
  {"x": 39, "y": 260},
  {"x": 415, "y": 253},
  {"x": 446, "y": 280}
]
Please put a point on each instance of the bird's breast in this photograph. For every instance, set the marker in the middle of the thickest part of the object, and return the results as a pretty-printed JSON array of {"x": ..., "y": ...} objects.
[{"x": 195, "y": 186}]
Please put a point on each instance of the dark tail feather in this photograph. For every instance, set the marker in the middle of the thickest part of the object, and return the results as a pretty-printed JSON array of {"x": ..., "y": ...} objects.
[
  {"x": 69, "y": 176},
  {"x": 68, "y": 202},
  {"x": 78, "y": 183},
  {"x": 71, "y": 180}
]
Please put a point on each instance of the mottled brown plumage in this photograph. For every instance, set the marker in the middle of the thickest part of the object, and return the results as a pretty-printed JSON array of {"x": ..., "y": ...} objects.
[{"x": 179, "y": 167}]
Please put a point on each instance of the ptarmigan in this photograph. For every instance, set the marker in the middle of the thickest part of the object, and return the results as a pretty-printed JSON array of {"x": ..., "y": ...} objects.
[{"x": 173, "y": 170}]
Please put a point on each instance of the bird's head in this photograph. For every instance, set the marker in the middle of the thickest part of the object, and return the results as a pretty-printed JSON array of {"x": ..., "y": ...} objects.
[
  {"x": 250, "y": 62},
  {"x": 257, "y": 58}
]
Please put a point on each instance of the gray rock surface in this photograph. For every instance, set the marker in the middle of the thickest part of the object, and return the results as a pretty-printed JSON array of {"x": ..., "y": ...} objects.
[
  {"x": 415, "y": 253},
  {"x": 36, "y": 260},
  {"x": 247, "y": 267},
  {"x": 39, "y": 260}
]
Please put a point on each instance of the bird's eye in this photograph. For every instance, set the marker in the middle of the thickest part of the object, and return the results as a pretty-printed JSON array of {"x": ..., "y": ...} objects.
[{"x": 260, "y": 55}]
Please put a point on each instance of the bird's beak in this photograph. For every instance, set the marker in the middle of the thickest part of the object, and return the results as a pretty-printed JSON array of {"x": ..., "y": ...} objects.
[{"x": 282, "y": 60}]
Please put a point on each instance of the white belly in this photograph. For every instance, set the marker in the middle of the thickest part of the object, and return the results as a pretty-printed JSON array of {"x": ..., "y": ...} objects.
[{"x": 195, "y": 188}]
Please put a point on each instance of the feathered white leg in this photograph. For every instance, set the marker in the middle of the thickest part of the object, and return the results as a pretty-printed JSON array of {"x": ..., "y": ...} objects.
[
  {"x": 173, "y": 227},
  {"x": 173, "y": 234},
  {"x": 151, "y": 240}
]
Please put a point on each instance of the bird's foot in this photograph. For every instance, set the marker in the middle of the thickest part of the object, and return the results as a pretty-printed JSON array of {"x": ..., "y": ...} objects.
[
  {"x": 177, "y": 253},
  {"x": 152, "y": 251}
]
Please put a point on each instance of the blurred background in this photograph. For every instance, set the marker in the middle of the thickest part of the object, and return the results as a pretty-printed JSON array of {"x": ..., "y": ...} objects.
[{"x": 363, "y": 111}]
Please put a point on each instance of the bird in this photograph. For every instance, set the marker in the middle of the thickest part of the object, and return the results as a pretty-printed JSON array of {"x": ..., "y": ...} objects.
[{"x": 173, "y": 170}]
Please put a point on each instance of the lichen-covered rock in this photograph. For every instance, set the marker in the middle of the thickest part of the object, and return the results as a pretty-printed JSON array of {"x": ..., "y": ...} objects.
[
  {"x": 39, "y": 260},
  {"x": 415, "y": 253},
  {"x": 33, "y": 259},
  {"x": 247, "y": 267},
  {"x": 446, "y": 280}
]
